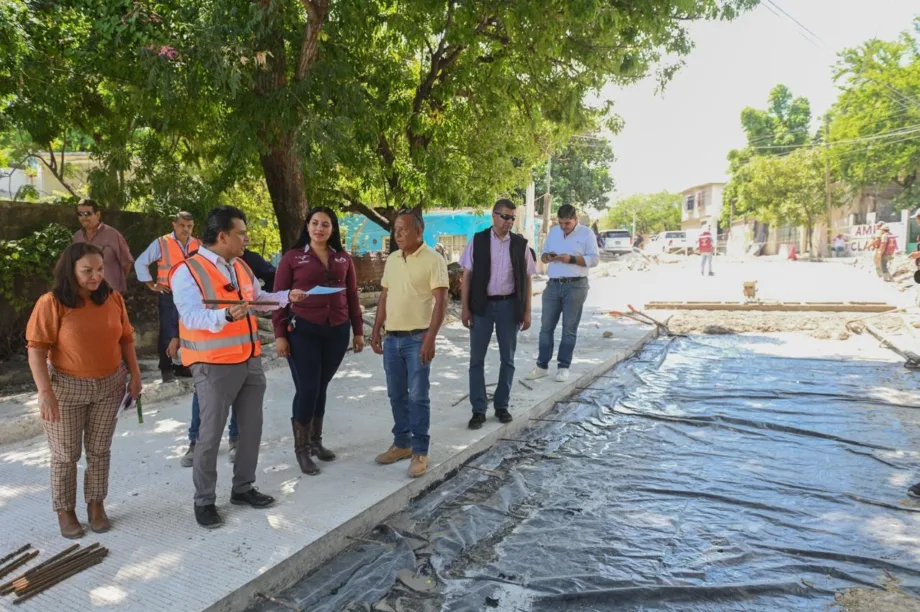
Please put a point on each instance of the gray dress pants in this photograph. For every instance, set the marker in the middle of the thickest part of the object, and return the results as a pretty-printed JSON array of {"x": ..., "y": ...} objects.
[{"x": 219, "y": 387}]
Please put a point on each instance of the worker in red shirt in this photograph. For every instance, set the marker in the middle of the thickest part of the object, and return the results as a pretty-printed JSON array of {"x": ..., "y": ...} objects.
[{"x": 705, "y": 247}]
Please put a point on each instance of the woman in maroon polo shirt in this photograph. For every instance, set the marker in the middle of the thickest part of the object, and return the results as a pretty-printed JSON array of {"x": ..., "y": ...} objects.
[{"x": 313, "y": 334}]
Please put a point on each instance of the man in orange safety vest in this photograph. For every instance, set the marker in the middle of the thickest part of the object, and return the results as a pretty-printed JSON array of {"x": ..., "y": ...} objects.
[{"x": 219, "y": 338}]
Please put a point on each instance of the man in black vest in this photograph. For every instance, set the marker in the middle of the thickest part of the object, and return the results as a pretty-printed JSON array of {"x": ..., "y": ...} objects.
[{"x": 497, "y": 266}]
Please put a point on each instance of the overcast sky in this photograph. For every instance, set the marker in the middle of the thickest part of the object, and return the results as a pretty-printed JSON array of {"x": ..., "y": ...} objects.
[{"x": 681, "y": 137}]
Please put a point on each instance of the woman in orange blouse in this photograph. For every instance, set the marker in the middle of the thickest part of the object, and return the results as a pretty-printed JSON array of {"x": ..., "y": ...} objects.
[{"x": 81, "y": 349}]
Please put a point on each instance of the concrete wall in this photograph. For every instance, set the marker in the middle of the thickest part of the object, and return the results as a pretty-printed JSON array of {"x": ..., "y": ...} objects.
[{"x": 21, "y": 219}]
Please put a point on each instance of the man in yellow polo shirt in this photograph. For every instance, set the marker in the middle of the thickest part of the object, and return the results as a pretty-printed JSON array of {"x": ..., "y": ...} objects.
[{"x": 411, "y": 309}]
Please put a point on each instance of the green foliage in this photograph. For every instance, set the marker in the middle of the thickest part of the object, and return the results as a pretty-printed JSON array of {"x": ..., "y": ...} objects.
[
  {"x": 654, "y": 212},
  {"x": 30, "y": 258},
  {"x": 778, "y": 130},
  {"x": 785, "y": 190},
  {"x": 879, "y": 99},
  {"x": 367, "y": 105},
  {"x": 580, "y": 174}
]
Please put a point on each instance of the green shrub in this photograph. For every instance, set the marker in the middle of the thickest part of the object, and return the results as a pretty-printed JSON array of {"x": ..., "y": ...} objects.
[{"x": 30, "y": 258}]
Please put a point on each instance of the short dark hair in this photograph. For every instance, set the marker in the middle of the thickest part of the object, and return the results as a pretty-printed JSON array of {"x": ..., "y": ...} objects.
[
  {"x": 503, "y": 203},
  {"x": 91, "y": 203},
  {"x": 567, "y": 211},
  {"x": 219, "y": 220},
  {"x": 183, "y": 216},
  {"x": 65, "y": 279}
]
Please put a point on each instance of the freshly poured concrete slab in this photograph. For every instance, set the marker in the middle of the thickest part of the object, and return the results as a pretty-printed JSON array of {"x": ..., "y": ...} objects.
[{"x": 161, "y": 559}]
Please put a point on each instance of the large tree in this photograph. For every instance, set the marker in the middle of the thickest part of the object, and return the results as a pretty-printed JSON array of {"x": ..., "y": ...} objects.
[
  {"x": 369, "y": 105},
  {"x": 654, "y": 212},
  {"x": 875, "y": 123},
  {"x": 788, "y": 189},
  {"x": 775, "y": 131}
]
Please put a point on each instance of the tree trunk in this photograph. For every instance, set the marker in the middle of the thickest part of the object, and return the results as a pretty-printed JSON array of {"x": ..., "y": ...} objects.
[{"x": 283, "y": 170}]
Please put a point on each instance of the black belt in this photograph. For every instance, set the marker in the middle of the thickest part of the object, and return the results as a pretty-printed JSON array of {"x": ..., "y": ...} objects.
[
  {"x": 502, "y": 298},
  {"x": 568, "y": 279},
  {"x": 411, "y": 332}
]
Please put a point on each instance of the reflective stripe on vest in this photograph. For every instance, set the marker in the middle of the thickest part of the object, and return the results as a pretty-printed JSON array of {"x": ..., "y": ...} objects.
[
  {"x": 237, "y": 341},
  {"x": 171, "y": 253}
]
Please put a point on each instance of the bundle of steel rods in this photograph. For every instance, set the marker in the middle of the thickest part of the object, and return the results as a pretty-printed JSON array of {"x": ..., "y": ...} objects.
[{"x": 61, "y": 566}]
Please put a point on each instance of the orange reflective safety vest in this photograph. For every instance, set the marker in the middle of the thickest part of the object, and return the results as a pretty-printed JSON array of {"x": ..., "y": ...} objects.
[
  {"x": 237, "y": 341},
  {"x": 171, "y": 254}
]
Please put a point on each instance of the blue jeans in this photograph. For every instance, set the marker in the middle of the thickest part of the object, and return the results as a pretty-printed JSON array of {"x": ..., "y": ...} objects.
[
  {"x": 503, "y": 317},
  {"x": 196, "y": 422},
  {"x": 568, "y": 300},
  {"x": 407, "y": 386}
]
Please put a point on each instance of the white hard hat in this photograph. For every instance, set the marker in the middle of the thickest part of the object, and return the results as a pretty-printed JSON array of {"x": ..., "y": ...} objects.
[{"x": 917, "y": 213}]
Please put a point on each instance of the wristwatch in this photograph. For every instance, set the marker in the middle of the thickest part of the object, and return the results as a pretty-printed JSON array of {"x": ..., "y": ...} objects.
[{"x": 228, "y": 316}]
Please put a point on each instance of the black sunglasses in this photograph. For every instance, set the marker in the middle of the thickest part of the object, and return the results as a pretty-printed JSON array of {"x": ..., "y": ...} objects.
[
  {"x": 83, "y": 213},
  {"x": 504, "y": 217}
]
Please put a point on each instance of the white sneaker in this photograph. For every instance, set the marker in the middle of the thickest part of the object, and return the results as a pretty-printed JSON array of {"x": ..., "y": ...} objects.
[
  {"x": 562, "y": 374},
  {"x": 538, "y": 373}
]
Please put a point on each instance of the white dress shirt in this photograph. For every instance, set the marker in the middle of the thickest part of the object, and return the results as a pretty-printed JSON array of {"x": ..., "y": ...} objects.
[
  {"x": 581, "y": 241},
  {"x": 188, "y": 298},
  {"x": 152, "y": 255}
]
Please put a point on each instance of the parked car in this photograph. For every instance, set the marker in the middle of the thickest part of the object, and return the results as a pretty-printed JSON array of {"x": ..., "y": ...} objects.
[
  {"x": 669, "y": 242},
  {"x": 617, "y": 241}
]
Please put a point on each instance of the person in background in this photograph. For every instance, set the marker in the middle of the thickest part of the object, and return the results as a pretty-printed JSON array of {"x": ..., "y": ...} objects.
[
  {"x": 263, "y": 270},
  {"x": 637, "y": 242},
  {"x": 81, "y": 351},
  {"x": 569, "y": 250},
  {"x": 885, "y": 246},
  {"x": 313, "y": 334},
  {"x": 597, "y": 235},
  {"x": 704, "y": 246},
  {"x": 166, "y": 252},
  {"x": 411, "y": 308},
  {"x": 222, "y": 347},
  {"x": 839, "y": 247},
  {"x": 117, "y": 255},
  {"x": 497, "y": 270}
]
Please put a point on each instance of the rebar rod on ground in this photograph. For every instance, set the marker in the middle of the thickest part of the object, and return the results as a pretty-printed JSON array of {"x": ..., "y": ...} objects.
[
  {"x": 89, "y": 562},
  {"x": 7, "y": 587}
]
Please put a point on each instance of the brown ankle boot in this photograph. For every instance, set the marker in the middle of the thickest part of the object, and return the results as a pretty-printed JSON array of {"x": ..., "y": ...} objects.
[
  {"x": 316, "y": 441},
  {"x": 302, "y": 448},
  {"x": 70, "y": 525},
  {"x": 98, "y": 521}
]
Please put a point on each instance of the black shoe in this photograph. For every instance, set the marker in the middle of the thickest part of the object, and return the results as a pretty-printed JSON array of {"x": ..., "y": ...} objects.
[
  {"x": 183, "y": 372},
  {"x": 914, "y": 491},
  {"x": 503, "y": 415},
  {"x": 477, "y": 420},
  {"x": 207, "y": 516},
  {"x": 253, "y": 498},
  {"x": 168, "y": 376}
]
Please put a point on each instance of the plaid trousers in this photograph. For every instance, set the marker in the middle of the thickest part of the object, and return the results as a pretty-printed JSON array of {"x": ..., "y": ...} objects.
[{"x": 88, "y": 407}]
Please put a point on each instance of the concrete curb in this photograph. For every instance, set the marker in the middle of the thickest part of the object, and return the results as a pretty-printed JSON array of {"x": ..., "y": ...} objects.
[
  {"x": 311, "y": 557},
  {"x": 29, "y": 425}
]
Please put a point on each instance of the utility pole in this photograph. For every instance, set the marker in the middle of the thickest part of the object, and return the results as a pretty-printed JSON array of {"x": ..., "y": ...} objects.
[
  {"x": 827, "y": 177},
  {"x": 547, "y": 199},
  {"x": 634, "y": 223}
]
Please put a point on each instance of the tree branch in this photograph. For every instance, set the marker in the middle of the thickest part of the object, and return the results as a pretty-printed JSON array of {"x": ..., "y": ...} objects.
[
  {"x": 356, "y": 206},
  {"x": 53, "y": 170},
  {"x": 309, "y": 49}
]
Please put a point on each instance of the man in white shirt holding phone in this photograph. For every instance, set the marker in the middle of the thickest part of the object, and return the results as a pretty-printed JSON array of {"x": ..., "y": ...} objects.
[{"x": 570, "y": 250}]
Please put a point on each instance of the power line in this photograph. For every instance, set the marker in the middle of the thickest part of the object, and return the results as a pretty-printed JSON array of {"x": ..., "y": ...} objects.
[{"x": 908, "y": 130}]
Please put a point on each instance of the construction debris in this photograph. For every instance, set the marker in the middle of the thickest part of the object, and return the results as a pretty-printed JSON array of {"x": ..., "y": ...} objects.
[{"x": 774, "y": 306}]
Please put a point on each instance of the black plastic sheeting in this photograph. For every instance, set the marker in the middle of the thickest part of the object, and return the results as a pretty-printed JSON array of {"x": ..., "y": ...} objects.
[{"x": 705, "y": 474}]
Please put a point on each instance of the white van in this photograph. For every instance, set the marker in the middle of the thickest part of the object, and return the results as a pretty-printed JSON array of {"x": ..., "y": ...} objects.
[{"x": 617, "y": 241}]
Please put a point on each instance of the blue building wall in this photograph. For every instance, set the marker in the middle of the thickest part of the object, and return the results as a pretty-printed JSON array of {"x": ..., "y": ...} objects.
[{"x": 436, "y": 224}]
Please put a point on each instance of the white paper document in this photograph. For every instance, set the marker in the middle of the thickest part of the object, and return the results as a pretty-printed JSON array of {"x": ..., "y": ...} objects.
[{"x": 324, "y": 290}]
